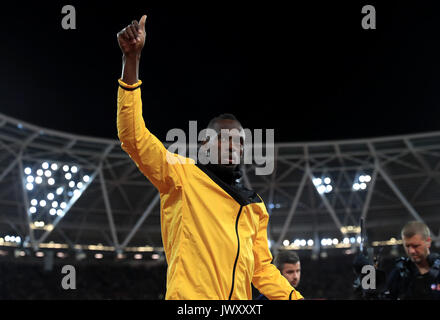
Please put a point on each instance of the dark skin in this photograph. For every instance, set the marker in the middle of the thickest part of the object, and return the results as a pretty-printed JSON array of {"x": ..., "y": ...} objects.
[{"x": 131, "y": 40}]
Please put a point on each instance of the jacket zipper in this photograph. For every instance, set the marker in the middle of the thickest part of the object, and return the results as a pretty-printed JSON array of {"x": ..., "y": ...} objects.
[{"x": 238, "y": 252}]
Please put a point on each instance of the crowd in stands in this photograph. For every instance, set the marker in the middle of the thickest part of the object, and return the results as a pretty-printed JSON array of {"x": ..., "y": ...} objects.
[{"x": 329, "y": 278}]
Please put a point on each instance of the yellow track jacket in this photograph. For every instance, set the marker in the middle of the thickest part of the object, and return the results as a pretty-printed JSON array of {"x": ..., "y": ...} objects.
[{"x": 214, "y": 236}]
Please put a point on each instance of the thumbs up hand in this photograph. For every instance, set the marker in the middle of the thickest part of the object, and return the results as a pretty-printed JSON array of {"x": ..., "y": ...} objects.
[{"x": 131, "y": 39}]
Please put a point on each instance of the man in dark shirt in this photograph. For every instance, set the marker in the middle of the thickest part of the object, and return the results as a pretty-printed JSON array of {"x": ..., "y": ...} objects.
[{"x": 418, "y": 275}]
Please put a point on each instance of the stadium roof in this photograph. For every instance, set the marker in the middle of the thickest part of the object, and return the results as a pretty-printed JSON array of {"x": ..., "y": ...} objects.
[{"x": 99, "y": 200}]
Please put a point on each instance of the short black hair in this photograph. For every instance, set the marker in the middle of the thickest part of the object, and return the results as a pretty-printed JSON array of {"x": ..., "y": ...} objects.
[
  {"x": 286, "y": 256},
  {"x": 223, "y": 116}
]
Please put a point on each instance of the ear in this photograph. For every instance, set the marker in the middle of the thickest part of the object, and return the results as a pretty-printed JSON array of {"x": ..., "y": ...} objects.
[{"x": 428, "y": 241}]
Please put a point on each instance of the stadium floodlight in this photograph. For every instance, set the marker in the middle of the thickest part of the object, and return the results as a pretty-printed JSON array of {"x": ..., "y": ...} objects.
[
  {"x": 322, "y": 189},
  {"x": 346, "y": 241},
  {"x": 335, "y": 241},
  {"x": 361, "y": 181},
  {"x": 352, "y": 240},
  {"x": 310, "y": 242},
  {"x": 99, "y": 256},
  {"x": 297, "y": 242},
  {"x": 317, "y": 182},
  {"x": 39, "y": 254},
  {"x": 155, "y": 256},
  {"x": 44, "y": 181},
  {"x": 303, "y": 243},
  {"x": 286, "y": 243},
  {"x": 323, "y": 184},
  {"x": 138, "y": 256}
]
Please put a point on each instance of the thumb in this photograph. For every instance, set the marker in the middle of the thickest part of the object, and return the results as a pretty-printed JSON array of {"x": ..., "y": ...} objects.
[{"x": 142, "y": 22}]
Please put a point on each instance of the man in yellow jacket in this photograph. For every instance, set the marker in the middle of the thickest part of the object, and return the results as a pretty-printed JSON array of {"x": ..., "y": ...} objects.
[{"x": 214, "y": 231}]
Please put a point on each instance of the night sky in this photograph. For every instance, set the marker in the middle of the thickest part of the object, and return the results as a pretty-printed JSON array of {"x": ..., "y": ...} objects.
[{"x": 309, "y": 71}]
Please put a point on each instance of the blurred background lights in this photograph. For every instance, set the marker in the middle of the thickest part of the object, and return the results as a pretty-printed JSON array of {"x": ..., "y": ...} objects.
[
  {"x": 323, "y": 185},
  {"x": 360, "y": 182}
]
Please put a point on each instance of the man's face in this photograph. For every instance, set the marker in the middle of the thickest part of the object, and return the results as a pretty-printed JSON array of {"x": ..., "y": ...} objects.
[
  {"x": 417, "y": 248},
  {"x": 292, "y": 272},
  {"x": 230, "y": 146}
]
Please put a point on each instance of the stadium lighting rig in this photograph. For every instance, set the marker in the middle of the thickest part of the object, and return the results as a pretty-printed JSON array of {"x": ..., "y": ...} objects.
[
  {"x": 52, "y": 188},
  {"x": 361, "y": 182},
  {"x": 323, "y": 184}
]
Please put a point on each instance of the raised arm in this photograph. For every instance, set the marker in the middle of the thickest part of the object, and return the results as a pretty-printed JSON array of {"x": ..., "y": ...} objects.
[
  {"x": 131, "y": 41},
  {"x": 144, "y": 148}
]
